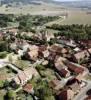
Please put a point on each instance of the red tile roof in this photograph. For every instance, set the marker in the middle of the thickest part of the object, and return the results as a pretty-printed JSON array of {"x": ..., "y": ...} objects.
[
  {"x": 72, "y": 81},
  {"x": 28, "y": 88},
  {"x": 58, "y": 49},
  {"x": 62, "y": 95},
  {"x": 63, "y": 72},
  {"x": 72, "y": 67}
]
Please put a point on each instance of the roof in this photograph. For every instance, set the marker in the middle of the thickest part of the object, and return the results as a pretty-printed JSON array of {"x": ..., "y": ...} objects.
[
  {"x": 72, "y": 81},
  {"x": 88, "y": 97},
  {"x": 66, "y": 94},
  {"x": 58, "y": 49},
  {"x": 31, "y": 71},
  {"x": 54, "y": 83},
  {"x": 73, "y": 84},
  {"x": 25, "y": 75},
  {"x": 81, "y": 55},
  {"x": 63, "y": 72},
  {"x": 21, "y": 76},
  {"x": 62, "y": 95},
  {"x": 86, "y": 42},
  {"x": 52, "y": 56},
  {"x": 42, "y": 48},
  {"x": 28, "y": 88},
  {"x": 74, "y": 68}
]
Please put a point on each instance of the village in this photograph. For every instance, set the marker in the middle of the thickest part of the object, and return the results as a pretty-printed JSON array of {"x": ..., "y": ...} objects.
[{"x": 38, "y": 68}]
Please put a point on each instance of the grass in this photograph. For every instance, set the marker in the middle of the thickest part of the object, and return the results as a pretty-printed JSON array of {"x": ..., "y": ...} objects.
[
  {"x": 32, "y": 9},
  {"x": 8, "y": 73},
  {"x": 76, "y": 17},
  {"x": 22, "y": 64},
  {"x": 88, "y": 77},
  {"x": 2, "y": 94},
  {"x": 3, "y": 54}
]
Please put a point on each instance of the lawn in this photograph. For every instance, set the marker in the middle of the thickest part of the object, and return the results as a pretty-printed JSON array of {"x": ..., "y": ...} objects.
[
  {"x": 6, "y": 73},
  {"x": 22, "y": 64}
]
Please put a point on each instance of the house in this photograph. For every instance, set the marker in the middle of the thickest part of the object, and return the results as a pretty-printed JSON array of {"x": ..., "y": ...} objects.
[
  {"x": 58, "y": 49},
  {"x": 43, "y": 51},
  {"x": 66, "y": 94},
  {"x": 27, "y": 34},
  {"x": 74, "y": 68},
  {"x": 47, "y": 36},
  {"x": 32, "y": 53},
  {"x": 22, "y": 77},
  {"x": 86, "y": 43},
  {"x": 82, "y": 55},
  {"x": 64, "y": 73},
  {"x": 58, "y": 62},
  {"x": 32, "y": 71},
  {"x": 88, "y": 97},
  {"x": 73, "y": 84},
  {"x": 28, "y": 88},
  {"x": 56, "y": 84},
  {"x": 60, "y": 66},
  {"x": 52, "y": 57},
  {"x": 70, "y": 43},
  {"x": 14, "y": 31}
]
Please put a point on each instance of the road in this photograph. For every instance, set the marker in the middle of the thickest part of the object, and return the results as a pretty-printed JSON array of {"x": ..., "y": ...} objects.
[
  {"x": 82, "y": 93},
  {"x": 4, "y": 63}
]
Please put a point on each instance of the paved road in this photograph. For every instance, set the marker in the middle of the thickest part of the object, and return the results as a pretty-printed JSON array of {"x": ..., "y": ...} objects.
[
  {"x": 12, "y": 66},
  {"x": 4, "y": 63},
  {"x": 82, "y": 93}
]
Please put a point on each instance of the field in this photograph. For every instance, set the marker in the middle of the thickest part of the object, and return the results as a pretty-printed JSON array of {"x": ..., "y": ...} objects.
[
  {"x": 75, "y": 16},
  {"x": 44, "y": 9}
]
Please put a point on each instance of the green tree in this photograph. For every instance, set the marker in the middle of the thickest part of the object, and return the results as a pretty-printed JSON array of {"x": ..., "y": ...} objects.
[
  {"x": 1, "y": 84},
  {"x": 11, "y": 95}
]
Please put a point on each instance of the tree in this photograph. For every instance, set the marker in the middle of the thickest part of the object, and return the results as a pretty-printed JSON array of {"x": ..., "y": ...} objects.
[
  {"x": 3, "y": 46},
  {"x": 43, "y": 91},
  {"x": 11, "y": 95},
  {"x": 1, "y": 84}
]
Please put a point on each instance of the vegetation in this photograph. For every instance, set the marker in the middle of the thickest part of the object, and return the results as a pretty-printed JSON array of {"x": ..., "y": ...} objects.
[
  {"x": 5, "y": 19},
  {"x": 11, "y": 95},
  {"x": 3, "y": 46},
  {"x": 76, "y": 32},
  {"x": 1, "y": 83},
  {"x": 26, "y": 22},
  {"x": 22, "y": 64},
  {"x": 3, "y": 54},
  {"x": 43, "y": 91}
]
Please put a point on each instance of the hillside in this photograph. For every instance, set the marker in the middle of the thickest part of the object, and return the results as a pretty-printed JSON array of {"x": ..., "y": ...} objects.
[{"x": 74, "y": 4}]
